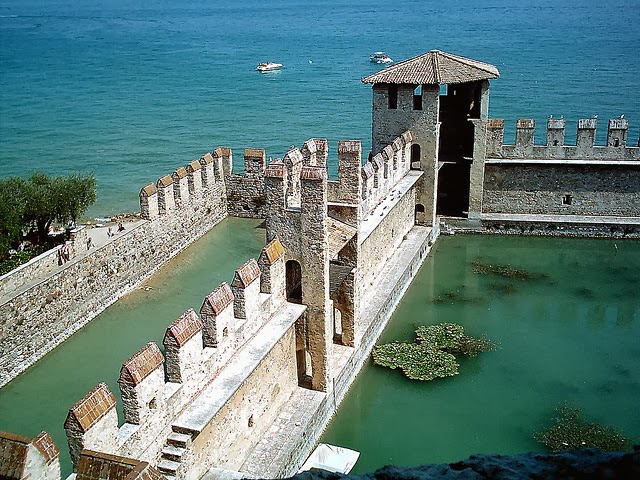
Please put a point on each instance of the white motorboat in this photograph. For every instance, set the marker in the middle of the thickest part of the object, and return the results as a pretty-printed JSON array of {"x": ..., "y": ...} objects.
[
  {"x": 268, "y": 67},
  {"x": 331, "y": 458},
  {"x": 380, "y": 57}
]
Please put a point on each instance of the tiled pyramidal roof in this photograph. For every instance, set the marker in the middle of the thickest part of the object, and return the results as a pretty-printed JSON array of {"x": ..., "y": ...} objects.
[{"x": 435, "y": 67}]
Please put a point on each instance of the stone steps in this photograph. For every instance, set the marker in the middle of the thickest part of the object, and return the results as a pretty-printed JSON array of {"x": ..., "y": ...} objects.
[
  {"x": 178, "y": 439},
  {"x": 168, "y": 467},
  {"x": 171, "y": 452}
]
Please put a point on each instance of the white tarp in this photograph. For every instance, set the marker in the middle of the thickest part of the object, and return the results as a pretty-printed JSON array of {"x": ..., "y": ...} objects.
[{"x": 331, "y": 458}]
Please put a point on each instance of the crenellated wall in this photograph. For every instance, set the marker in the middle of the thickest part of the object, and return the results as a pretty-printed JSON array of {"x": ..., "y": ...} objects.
[
  {"x": 553, "y": 181},
  {"x": 36, "y": 319},
  {"x": 241, "y": 382}
]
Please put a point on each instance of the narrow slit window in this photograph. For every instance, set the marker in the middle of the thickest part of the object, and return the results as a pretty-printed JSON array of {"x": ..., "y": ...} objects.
[
  {"x": 567, "y": 199},
  {"x": 393, "y": 97},
  {"x": 417, "y": 98}
]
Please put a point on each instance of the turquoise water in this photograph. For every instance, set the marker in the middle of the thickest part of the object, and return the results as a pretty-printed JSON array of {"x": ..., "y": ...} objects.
[
  {"x": 570, "y": 336},
  {"x": 40, "y": 398},
  {"x": 131, "y": 90}
]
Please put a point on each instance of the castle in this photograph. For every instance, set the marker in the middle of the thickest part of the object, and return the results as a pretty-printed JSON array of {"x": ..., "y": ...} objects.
[{"x": 246, "y": 385}]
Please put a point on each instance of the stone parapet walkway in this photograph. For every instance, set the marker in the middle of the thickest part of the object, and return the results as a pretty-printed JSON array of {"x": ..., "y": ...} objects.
[{"x": 293, "y": 434}]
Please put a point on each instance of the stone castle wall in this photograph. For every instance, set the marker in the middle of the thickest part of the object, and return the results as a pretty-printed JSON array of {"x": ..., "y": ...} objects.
[
  {"x": 35, "y": 321},
  {"x": 198, "y": 405},
  {"x": 555, "y": 179}
]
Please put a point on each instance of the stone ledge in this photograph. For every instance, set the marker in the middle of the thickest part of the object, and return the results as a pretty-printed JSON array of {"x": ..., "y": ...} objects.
[{"x": 202, "y": 410}]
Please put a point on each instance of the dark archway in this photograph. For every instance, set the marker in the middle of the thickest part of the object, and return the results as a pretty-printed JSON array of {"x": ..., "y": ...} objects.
[
  {"x": 294, "y": 282},
  {"x": 420, "y": 216},
  {"x": 415, "y": 157}
]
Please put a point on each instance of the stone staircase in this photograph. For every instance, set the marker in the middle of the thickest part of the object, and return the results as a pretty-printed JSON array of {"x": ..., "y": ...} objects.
[{"x": 172, "y": 455}]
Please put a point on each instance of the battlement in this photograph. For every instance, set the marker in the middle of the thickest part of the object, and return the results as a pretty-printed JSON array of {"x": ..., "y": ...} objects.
[
  {"x": 155, "y": 388},
  {"x": 616, "y": 148}
]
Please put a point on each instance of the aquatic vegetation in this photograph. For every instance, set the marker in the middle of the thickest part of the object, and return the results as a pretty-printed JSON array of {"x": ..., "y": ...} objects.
[
  {"x": 508, "y": 271},
  {"x": 451, "y": 297},
  {"x": 585, "y": 292},
  {"x": 506, "y": 288},
  {"x": 432, "y": 355},
  {"x": 570, "y": 430}
]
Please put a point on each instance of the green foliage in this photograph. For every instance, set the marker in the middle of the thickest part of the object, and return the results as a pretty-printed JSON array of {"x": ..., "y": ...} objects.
[
  {"x": 33, "y": 205},
  {"x": 432, "y": 355},
  {"x": 12, "y": 206},
  {"x": 570, "y": 431},
  {"x": 507, "y": 271}
]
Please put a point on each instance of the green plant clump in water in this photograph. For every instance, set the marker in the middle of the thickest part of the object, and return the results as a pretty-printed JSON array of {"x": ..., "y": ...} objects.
[
  {"x": 570, "y": 431},
  {"x": 508, "y": 271},
  {"x": 432, "y": 356}
]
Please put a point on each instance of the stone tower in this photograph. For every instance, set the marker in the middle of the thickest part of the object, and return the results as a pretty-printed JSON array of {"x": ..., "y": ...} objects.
[
  {"x": 296, "y": 197},
  {"x": 441, "y": 98}
]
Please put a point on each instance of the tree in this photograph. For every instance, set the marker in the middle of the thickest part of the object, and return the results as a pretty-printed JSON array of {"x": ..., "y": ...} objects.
[
  {"x": 60, "y": 199},
  {"x": 12, "y": 206}
]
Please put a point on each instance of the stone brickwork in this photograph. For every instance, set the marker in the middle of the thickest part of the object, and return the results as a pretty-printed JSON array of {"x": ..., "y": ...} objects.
[
  {"x": 36, "y": 320},
  {"x": 19, "y": 280},
  {"x": 23, "y": 457},
  {"x": 562, "y": 189},
  {"x": 246, "y": 192}
]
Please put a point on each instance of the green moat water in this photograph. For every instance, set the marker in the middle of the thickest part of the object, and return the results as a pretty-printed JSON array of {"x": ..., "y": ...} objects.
[
  {"x": 40, "y": 398},
  {"x": 570, "y": 336}
]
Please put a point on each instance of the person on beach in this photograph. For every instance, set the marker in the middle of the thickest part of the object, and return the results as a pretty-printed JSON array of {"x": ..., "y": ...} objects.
[
  {"x": 110, "y": 232},
  {"x": 90, "y": 243},
  {"x": 120, "y": 227}
]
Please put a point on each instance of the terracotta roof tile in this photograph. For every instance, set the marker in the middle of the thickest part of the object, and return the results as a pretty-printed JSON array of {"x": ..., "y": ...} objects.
[
  {"x": 272, "y": 251},
  {"x": 193, "y": 166},
  {"x": 495, "y": 123},
  {"x": 310, "y": 146},
  {"x": 293, "y": 157},
  {"x": 141, "y": 364},
  {"x": 434, "y": 67},
  {"x": 526, "y": 123},
  {"x": 313, "y": 173},
  {"x": 387, "y": 152},
  {"x": 377, "y": 161},
  {"x": 222, "y": 152},
  {"x": 618, "y": 124},
  {"x": 367, "y": 171},
  {"x": 397, "y": 144},
  {"x": 218, "y": 300},
  {"x": 99, "y": 466},
  {"x": 321, "y": 144},
  {"x": 183, "y": 328},
  {"x": 165, "y": 181},
  {"x": 587, "y": 123},
  {"x": 13, "y": 454},
  {"x": 349, "y": 146},
  {"x": 254, "y": 153},
  {"x": 45, "y": 445},
  {"x": 275, "y": 170},
  {"x": 180, "y": 172},
  {"x": 91, "y": 408},
  {"x": 246, "y": 274},
  {"x": 556, "y": 123},
  {"x": 407, "y": 136},
  {"x": 149, "y": 190},
  {"x": 206, "y": 159}
]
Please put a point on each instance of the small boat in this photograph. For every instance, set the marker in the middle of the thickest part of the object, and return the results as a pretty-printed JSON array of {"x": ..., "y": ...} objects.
[
  {"x": 380, "y": 57},
  {"x": 268, "y": 67},
  {"x": 331, "y": 458}
]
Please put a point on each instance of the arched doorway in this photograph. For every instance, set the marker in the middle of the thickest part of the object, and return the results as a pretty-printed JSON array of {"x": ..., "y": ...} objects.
[
  {"x": 420, "y": 217},
  {"x": 415, "y": 157},
  {"x": 294, "y": 281}
]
